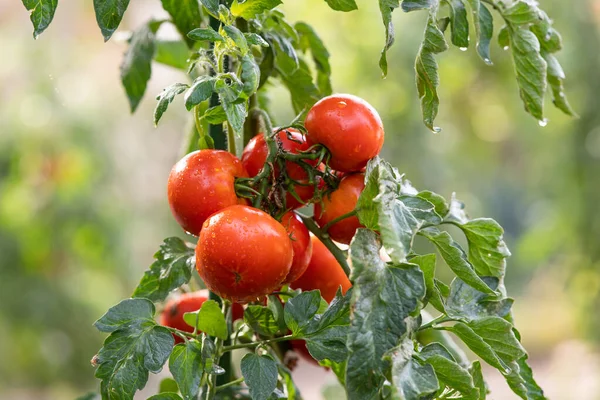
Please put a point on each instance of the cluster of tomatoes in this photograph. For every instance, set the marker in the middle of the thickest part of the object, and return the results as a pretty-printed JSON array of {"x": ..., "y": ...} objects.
[{"x": 243, "y": 252}]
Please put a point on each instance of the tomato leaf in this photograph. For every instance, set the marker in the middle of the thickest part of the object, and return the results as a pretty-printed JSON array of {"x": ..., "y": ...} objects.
[
  {"x": 467, "y": 303},
  {"x": 136, "y": 67},
  {"x": 172, "y": 268},
  {"x": 477, "y": 374},
  {"x": 165, "y": 396},
  {"x": 251, "y": 8},
  {"x": 414, "y": 5},
  {"x": 521, "y": 381},
  {"x": 556, "y": 77},
  {"x": 342, "y": 5},
  {"x": 136, "y": 346},
  {"x": 41, "y": 14},
  {"x": 387, "y": 7},
  {"x": 484, "y": 28},
  {"x": 185, "y": 14},
  {"x": 209, "y": 319},
  {"x": 383, "y": 296},
  {"x": 448, "y": 371},
  {"x": 260, "y": 375},
  {"x": 201, "y": 90},
  {"x": 410, "y": 380},
  {"x": 187, "y": 363},
  {"x": 237, "y": 37},
  {"x": 109, "y": 14},
  {"x": 459, "y": 28},
  {"x": 168, "y": 385},
  {"x": 499, "y": 334},
  {"x": 215, "y": 115},
  {"x": 166, "y": 97},
  {"x": 478, "y": 346},
  {"x": 250, "y": 75},
  {"x": 522, "y": 13},
  {"x": 261, "y": 320},
  {"x": 255, "y": 39},
  {"x": 205, "y": 34},
  {"x": 303, "y": 91},
  {"x": 309, "y": 40},
  {"x": 300, "y": 310},
  {"x": 427, "y": 265},
  {"x": 173, "y": 53}
]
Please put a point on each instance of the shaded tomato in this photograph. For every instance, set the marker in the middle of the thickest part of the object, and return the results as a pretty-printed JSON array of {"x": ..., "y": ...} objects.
[
  {"x": 291, "y": 140},
  {"x": 202, "y": 183},
  {"x": 301, "y": 244},
  {"x": 339, "y": 202},
  {"x": 243, "y": 253},
  {"x": 172, "y": 314},
  {"x": 323, "y": 273},
  {"x": 349, "y": 127}
]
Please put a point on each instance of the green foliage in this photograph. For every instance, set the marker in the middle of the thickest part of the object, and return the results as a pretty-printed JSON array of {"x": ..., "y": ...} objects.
[
  {"x": 260, "y": 374},
  {"x": 209, "y": 319},
  {"x": 109, "y": 14},
  {"x": 42, "y": 12}
]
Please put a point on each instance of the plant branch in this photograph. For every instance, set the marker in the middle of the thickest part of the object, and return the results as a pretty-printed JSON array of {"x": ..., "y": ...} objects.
[
  {"x": 228, "y": 384},
  {"x": 442, "y": 318},
  {"x": 256, "y": 344},
  {"x": 338, "y": 253}
]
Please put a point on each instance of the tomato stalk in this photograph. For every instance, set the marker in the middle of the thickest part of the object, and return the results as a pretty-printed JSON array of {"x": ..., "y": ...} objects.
[
  {"x": 228, "y": 384},
  {"x": 338, "y": 253},
  {"x": 257, "y": 344}
]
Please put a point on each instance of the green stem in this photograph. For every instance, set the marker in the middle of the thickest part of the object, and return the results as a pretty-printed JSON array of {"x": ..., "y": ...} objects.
[
  {"x": 328, "y": 225},
  {"x": 442, "y": 318},
  {"x": 256, "y": 344},
  {"x": 228, "y": 384},
  {"x": 231, "y": 140},
  {"x": 179, "y": 332},
  {"x": 212, "y": 384},
  {"x": 252, "y": 124},
  {"x": 338, "y": 253},
  {"x": 216, "y": 131}
]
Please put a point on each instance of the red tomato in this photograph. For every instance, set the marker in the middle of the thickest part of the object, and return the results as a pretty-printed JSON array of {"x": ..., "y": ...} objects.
[
  {"x": 172, "y": 314},
  {"x": 349, "y": 127},
  {"x": 202, "y": 183},
  {"x": 323, "y": 273},
  {"x": 341, "y": 201},
  {"x": 292, "y": 141},
  {"x": 301, "y": 244},
  {"x": 243, "y": 253}
]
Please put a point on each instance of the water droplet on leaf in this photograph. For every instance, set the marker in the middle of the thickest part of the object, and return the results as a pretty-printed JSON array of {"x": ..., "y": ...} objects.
[
  {"x": 543, "y": 122},
  {"x": 463, "y": 48}
]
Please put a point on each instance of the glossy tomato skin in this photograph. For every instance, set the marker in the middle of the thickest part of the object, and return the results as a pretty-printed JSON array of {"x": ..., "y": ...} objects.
[
  {"x": 255, "y": 154},
  {"x": 349, "y": 127},
  {"x": 202, "y": 183},
  {"x": 301, "y": 244},
  {"x": 243, "y": 253},
  {"x": 172, "y": 314},
  {"x": 339, "y": 202},
  {"x": 323, "y": 273}
]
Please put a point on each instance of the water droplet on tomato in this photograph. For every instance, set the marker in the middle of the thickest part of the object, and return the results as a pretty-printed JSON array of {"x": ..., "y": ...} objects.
[{"x": 342, "y": 104}]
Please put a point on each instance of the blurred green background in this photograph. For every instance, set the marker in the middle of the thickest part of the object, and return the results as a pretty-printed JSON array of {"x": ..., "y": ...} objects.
[{"x": 82, "y": 183}]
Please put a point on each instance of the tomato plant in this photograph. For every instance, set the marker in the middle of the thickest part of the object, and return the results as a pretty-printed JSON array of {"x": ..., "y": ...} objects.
[{"x": 360, "y": 311}]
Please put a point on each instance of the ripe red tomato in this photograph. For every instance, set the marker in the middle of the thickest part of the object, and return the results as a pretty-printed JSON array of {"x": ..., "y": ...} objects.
[
  {"x": 172, "y": 314},
  {"x": 301, "y": 244},
  {"x": 323, "y": 273},
  {"x": 292, "y": 141},
  {"x": 243, "y": 253},
  {"x": 349, "y": 127},
  {"x": 202, "y": 183},
  {"x": 341, "y": 201}
]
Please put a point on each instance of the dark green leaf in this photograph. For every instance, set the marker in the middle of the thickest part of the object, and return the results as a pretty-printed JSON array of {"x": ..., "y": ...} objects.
[
  {"x": 444, "y": 338},
  {"x": 498, "y": 333},
  {"x": 530, "y": 68},
  {"x": 260, "y": 375},
  {"x": 522, "y": 12},
  {"x": 128, "y": 313},
  {"x": 136, "y": 67},
  {"x": 251, "y": 8},
  {"x": 255, "y": 39},
  {"x": 309, "y": 40},
  {"x": 215, "y": 115},
  {"x": 478, "y": 346},
  {"x": 467, "y": 303},
  {"x": 427, "y": 71},
  {"x": 550, "y": 40},
  {"x": 440, "y": 204},
  {"x": 503, "y": 38},
  {"x": 109, "y": 14},
  {"x": 261, "y": 320},
  {"x": 411, "y": 380},
  {"x": 237, "y": 36},
  {"x": 173, "y": 53},
  {"x": 201, "y": 90},
  {"x": 485, "y": 33},
  {"x": 459, "y": 24},
  {"x": 42, "y": 12},
  {"x": 413, "y": 5},
  {"x": 185, "y": 14},
  {"x": 274, "y": 304},
  {"x": 521, "y": 381},
  {"x": 165, "y": 396},
  {"x": 383, "y": 297},
  {"x": 300, "y": 310},
  {"x": 286, "y": 57},
  {"x": 300, "y": 84},
  {"x": 205, "y": 34},
  {"x": 164, "y": 99},
  {"x": 329, "y": 344},
  {"x": 556, "y": 77},
  {"x": 187, "y": 365},
  {"x": 342, "y": 5},
  {"x": 427, "y": 265},
  {"x": 236, "y": 112},
  {"x": 387, "y": 7},
  {"x": 168, "y": 385},
  {"x": 448, "y": 370},
  {"x": 212, "y": 6},
  {"x": 250, "y": 75},
  {"x": 173, "y": 265},
  {"x": 477, "y": 375},
  {"x": 209, "y": 319},
  {"x": 456, "y": 258}
]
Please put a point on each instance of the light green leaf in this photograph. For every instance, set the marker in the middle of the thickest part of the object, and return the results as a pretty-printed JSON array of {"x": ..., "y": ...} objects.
[
  {"x": 136, "y": 67},
  {"x": 414, "y": 5},
  {"x": 128, "y": 313},
  {"x": 212, "y": 6},
  {"x": 261, "y": 320},
  {"x": 165, "y": 396},
  {"x": 201, "y": 90},
  {"x": 164, "y": 99},
  {"x": 255, "y": 39},
  {"x": 448, "y": 370},
  {"x": 173, "y": 53},
  {"x": 251, "y": 8},
  {"x": 459, "y": 23},
  {"x": 521, "y": 381},
  {"x": 260, "y": 375},
  {"x": 168, "y": 385},
  {"x": 42, "y": 13},
  {"x": 109, "y": 14},
  {"x": 478, "y": 346},
  {"x": 427, "y": 265},
  {"x": 477, "y": 374},
  {"x": 185, "y": 14},
  {"x": 522, "y": 12},
  {"x": 237, "y": 36},
  {"x": 386, "y": 7},
  {"x": 215, "y": 115},
  {"x": 498, "y": 333},
  {"x": 250, "y": 75},
  {"x": 342, "y": 5},
  {"x": 309, "y": 40},
  {"x": 209, "y": 319},
  {"x": 556, "y": 77},
  {"x": 187, "y": 363},
  {"x": 205, "y": 34}
]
